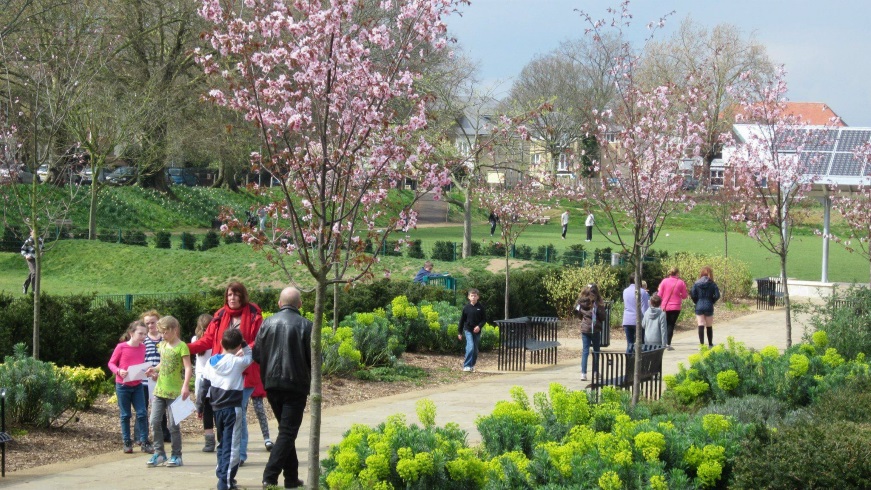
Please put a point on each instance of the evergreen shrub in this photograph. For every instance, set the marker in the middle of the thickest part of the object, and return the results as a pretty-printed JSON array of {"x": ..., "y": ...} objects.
[
  {"x": 210, "y": 240},
  {"x": 443, "y": 250},
  {"x": 134, "y": 237},
  {"x": 162, "y": 239},
  {"x": 36, "y": 392},
  {"x": 415, "y": 250},
  {"x": 188, "y": 241}
]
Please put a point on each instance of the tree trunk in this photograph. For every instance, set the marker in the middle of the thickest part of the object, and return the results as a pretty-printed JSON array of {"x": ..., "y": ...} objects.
[
  {"x": 786, "y": 300},
  {"x": 636, "y": 378},
  {"x": 92, "y": 211},
  {"x": 467, "y": 222},
  {"x": 316, "y": 397},
  {"x": 506, "y": 281},
  {"x": 335, "y": 306},
  {"x": 225, "y": 178}
]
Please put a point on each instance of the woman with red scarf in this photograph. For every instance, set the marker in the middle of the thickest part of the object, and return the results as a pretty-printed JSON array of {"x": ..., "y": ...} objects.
[{"x": 237, "y": 312}]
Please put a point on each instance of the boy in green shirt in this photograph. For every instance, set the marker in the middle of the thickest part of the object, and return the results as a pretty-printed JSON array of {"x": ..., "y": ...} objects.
[{"x": 174, "y": 356}]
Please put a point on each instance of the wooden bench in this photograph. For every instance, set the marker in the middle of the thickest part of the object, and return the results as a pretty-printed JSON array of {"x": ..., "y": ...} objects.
[
  {"x": 517, "y": 336},
  {"x": 542, "y": 220},
  {"x": 618, "y": 369}
]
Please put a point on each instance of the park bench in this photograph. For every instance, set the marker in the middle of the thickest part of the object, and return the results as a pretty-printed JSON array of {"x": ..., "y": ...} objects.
[
  {"x": 446, "y": 282},
  {"x": 517, "y": 336},
  {"x": 4, "y": 437},
  {"x": 542, "y": 220},
  {"x": 769, "y": 293},
  {"x": 617, "y": 369}
]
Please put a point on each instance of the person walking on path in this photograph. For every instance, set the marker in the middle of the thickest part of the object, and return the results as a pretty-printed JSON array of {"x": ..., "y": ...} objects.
[
  {"x": 493, "y": 220},
  {"x": 673, "y": 291},
  {"x": 130, "y": 351},
  {"x": 472, "y": 321},
  {"x": 653, "y": 324},
  {"x": 631, "y": 316},
  {"x": 591, "y": 221},
  {"x": 283, "y": 349},
  {"x": 28, "y": 251},
  {"x": 564, "y": 220},
  {"x": 223, "y": 382},
  {"x": 237, "y": 312},
  {"x": 704, "y": 294},
  {"x": 175, "y": 360},
  {"x": 590, "y": 309}
]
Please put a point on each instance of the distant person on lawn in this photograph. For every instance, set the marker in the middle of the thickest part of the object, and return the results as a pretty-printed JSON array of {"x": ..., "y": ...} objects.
[
  {"x": 590, "y": 222},
  {"x": 426, "y": 271},
  {"x": 493, "y": 219},
  {"x": 564, "y": 220}
]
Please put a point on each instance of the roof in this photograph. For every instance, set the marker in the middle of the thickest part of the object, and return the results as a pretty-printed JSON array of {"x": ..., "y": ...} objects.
[{"x": 812, "y": 113}]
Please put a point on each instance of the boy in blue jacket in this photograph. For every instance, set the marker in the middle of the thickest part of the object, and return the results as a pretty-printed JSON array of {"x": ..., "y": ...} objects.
[{"x": 224, "y": 383}]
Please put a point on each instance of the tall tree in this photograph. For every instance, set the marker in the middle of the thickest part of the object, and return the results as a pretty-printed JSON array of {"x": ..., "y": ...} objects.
[
  {"x": 640, "y": 184},
  {"x": 331, "y": 88},
  {"x": 712, "y": 59},
  {"x": 771, "y": 170}
]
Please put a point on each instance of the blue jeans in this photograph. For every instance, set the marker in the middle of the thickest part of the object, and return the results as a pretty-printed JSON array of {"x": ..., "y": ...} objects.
[
  {"x": 473, "y": 341},
  {"x": 590, "y": 338},
  {"x": 243, "y": 448},
  {"x": 629, "y": 330},
  {"x": 127, "y": 396},
  {"x": 229, "y": 432}
]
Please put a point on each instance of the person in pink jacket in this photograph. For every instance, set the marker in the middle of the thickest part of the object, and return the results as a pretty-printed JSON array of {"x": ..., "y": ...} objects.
[{"x": 673, "y": 291}]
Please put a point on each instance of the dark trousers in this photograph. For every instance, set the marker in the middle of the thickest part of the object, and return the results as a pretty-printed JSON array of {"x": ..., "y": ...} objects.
[
  {"x": 31, "y": 277},
  {"x": 589, "y": 233},
  {"x": 565, "y": 229},
  {"x": 288, "y": 407},
  {"x": 671, "y": 321},
  {"x": 228, "y": 450}
]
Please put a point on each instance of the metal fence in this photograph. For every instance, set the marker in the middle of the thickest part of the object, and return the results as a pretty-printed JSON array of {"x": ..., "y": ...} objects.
[
  {"x": 769, "y": 293},
  {"x": 129, "y": 300}
]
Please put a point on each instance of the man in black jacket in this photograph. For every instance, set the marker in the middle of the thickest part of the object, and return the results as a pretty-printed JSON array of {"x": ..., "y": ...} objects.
[{"x": 283, "y": 350}]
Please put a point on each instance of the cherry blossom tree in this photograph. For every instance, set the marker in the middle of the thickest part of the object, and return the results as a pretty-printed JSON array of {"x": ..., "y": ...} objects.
[
  {"x": 855, "y": 207},
  {"x": 518, "y": 206},
  {"x": 771, "y": 170},
  {"x": 331, "y": 88},
  {"x": 639, "y": 183}
]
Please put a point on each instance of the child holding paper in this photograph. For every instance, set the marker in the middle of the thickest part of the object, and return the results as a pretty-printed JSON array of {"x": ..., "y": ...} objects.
[
  {"x": 130, "y": 352},
  {"x": 174, "y": 357},
  {"x": 223, "y": 382}
]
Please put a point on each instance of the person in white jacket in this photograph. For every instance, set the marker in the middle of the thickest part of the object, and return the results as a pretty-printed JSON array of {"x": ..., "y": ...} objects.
[
  {"x": 591, "y": 221},
  {"x": 654, "y": 324}
]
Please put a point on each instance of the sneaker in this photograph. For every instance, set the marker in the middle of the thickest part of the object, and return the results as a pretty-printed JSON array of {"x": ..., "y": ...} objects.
[
  {"x": 146, "y": 448},
  {"x": 670, "y": 348},
  {"x": 268, "y": 444},
  {"x": 157, "y": 459},
  {"x": 174, "y": 461},
  {"x": 467, "y": 369},
  {"x": 128, "y": 448},
  {"x": 583, "y": 377},
  {"x": 473, "y": 369}
]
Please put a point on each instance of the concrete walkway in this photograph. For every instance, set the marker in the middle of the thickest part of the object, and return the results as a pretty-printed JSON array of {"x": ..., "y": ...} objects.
[{"x": 459, "y": 403}]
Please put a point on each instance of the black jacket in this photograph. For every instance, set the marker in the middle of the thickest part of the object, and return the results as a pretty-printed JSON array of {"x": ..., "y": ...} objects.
[
  {"x": 704, "y": 294},
  {"x": 473, "y": 315},
  {"x": 283, "y": 350}
]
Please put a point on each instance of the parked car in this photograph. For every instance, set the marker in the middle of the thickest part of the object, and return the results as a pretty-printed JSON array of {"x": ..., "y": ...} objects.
[
  {"x": 42, "y": 172},
  {"x": 16, "y": 174},
  {"x": 182, "y": 176},
  {"x": 121, "y": 176}
]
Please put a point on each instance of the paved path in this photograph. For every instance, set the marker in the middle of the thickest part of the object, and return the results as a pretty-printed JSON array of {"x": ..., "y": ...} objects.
[{"x": 458, "y": 403}]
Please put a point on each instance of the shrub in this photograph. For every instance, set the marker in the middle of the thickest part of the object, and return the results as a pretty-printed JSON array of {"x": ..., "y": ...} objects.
[
  {"x": 523, "y": 252},
  {"x": 231, "y": 238},
  {"x": 162, "y": 239},
  {"x": 817, "y": 454},
  {"x": 210, "y": 240},
  {"x": 495, "y": 249},
  {"x": 564, "y": 285},
  {"x": 375, "y": 339},
  {"x": 188, "y": 241},
  {"x": 546, "y": 253},
  {"x": 37, "y": 393},
  {"x": 513, "y": 426},
  {"x": 339, "y": 351},
  {"x": 89, "y": 383},
  {"x": 575, "y": 255},
  {"x": 134, "y": 237},
  {"x": 845, "y": 317},
  {"x": 476, "y": 248},
  {"x": 732, "y": 275},
  {"x": 109, "y": 235},
  {"x": 415, "y": 250},
  {"x": 443, "y": 250}
]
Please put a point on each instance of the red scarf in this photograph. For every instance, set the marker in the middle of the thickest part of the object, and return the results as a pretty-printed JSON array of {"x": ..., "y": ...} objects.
[{"x": 245, "y": 324}]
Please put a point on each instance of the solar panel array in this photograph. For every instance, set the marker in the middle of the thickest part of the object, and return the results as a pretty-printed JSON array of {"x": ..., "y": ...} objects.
[{"x": 829, "y": 153}]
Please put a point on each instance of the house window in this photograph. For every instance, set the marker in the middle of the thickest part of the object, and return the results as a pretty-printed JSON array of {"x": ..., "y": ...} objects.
[
  {"x": 611, "y": 137},
  {"x": 463, "y": 147},
  {"x": 716, "y": 178},
  {"x": 563, "y": 162},
  {"x": 536, "y": 158}
]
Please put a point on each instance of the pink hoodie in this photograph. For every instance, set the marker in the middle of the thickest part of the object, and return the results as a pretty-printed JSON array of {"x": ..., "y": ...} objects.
[{"x": 673, "y": 291}]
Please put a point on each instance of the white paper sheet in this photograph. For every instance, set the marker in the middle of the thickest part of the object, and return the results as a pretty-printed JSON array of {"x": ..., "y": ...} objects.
[
  {"x": 181, "y": 409},
  {"x": 137, "y": 372}
]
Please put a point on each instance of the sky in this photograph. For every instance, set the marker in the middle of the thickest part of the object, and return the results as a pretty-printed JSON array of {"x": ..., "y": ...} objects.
[{"x": 825, "y": 46}]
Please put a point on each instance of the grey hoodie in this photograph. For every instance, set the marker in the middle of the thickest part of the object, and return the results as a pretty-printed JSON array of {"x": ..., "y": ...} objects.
[{"x": 655, "y": 327}]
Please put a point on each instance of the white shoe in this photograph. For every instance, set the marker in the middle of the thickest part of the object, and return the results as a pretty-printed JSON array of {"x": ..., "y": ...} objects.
[
  {"x": 583, "y": 377},
  {"x": 467, "y": 369},
  {"x": 670, "y": 347}
]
